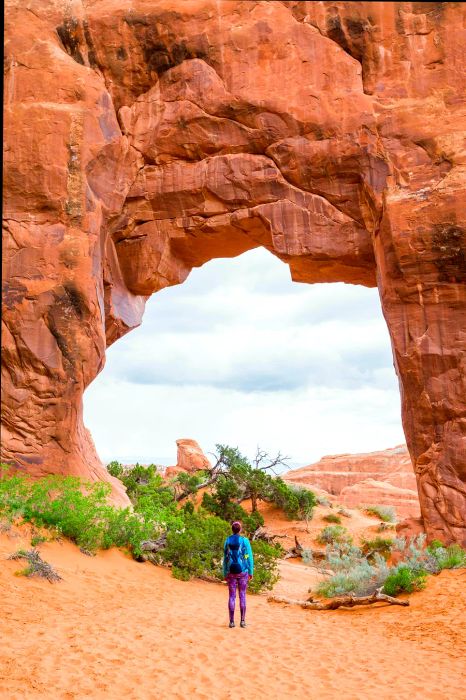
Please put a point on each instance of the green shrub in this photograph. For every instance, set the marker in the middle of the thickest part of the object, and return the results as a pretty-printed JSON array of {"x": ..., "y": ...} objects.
[
  {"x": 383, "y": 545},
  {"x": 451, "y": 557},
  {"x": 307, "y": 556},
  {"x": 360, "y": 579},
  {"x": 403, "y": 579},
  {"x": 77, "y": 510},
  {"x": 333, "y": 533},
  {"x": 197, "y": 549},
  {"x": 385, "y": 513},
  {"x": 265, "y": 566},
  {"x": 116, "y": 469},
  {"x": 240, "y": 481},
  {"x": 297, "y": 502},
  {"x": 332, "y": 518},
  {"x": 37, "y": 539}
]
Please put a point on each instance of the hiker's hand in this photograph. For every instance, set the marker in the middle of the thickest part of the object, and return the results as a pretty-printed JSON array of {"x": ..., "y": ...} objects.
[{"x": 250, "y": 577}]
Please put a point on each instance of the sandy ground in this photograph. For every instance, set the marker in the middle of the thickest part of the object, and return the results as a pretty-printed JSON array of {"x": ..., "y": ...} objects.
[{"x": 115, "y": 629}]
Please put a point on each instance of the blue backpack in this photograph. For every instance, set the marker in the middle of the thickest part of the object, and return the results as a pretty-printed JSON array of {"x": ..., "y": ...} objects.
[{"x": 235, "y": 552}]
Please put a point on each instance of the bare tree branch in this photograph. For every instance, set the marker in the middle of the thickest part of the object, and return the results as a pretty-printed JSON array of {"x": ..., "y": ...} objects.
[{"x": 343, "y": 601}]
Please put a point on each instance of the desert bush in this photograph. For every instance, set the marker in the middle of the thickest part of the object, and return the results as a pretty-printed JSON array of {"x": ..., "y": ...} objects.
[
  {"x": 386, "y": 513},
  {"x": 353, "y": 573},
  {"x": 332, "y": 518},
  {"x": 383, "y": 527},
  {"x": 36, "y": 565},
  {"x": 382, "y": 545},
  {"x": 77, "y": 510},
  {"x": 265, "y": 566},
  {"x": 297, "y": 502},
  {"x": 447, "y": 557},
  {"x": 197, "y": 551},
  {"x": 333, "y": 533},
  {"x": 239, "y": 480},
  {"x": 342, "y": 556},
  {"x": 362, "y": 578},
  {"x": 116, "y": 469},
  {"x": 37, "y": 539},
  {"x": 197, "y": 548},
  {"x": 307, "y": 556},
  {"x": 229, "y": 510},
  {"x": 403, "y": 579}
]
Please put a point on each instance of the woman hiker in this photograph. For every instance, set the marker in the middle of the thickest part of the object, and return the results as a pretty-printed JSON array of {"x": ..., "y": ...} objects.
[{"x": 238, "y": 569}]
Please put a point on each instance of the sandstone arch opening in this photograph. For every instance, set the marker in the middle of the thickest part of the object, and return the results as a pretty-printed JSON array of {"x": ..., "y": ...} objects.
[
  {"x": 142, "y": 143},
  {"x": 239, "y": 354}
]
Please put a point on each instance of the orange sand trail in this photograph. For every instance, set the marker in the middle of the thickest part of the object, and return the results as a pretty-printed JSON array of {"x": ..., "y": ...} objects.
[{"x": 114, "y": 629}]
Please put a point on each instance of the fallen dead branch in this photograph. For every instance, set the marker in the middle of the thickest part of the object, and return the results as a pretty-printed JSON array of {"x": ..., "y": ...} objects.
[
  {"x": 341, "y": 602},
  {"x": 261, "y": 534},
  {"x": 296, "y": 551}
]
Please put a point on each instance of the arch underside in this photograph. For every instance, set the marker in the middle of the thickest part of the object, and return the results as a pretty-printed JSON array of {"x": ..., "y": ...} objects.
[{"x": 162, "y": 138}]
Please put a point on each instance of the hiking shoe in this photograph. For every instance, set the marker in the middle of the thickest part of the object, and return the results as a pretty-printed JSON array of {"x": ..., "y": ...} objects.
[
  {"x": 242, "y": 623},
  {"x": 232, "y": 624}
]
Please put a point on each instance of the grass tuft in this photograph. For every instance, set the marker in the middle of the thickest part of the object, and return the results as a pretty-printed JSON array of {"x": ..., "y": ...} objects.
[{"x": 386, "y": 513}]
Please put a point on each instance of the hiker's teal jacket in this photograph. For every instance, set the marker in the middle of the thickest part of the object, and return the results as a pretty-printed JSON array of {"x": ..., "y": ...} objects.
[{"x": 248, "y": 559}]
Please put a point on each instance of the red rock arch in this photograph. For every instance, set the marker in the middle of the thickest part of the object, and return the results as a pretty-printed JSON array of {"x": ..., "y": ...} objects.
[{"x": 142, "y": 143}]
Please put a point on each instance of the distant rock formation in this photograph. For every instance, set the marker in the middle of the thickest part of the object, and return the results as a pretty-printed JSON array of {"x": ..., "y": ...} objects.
[
  {"x": 381, "y": 478},
  {"x": 190, "y": 458}
]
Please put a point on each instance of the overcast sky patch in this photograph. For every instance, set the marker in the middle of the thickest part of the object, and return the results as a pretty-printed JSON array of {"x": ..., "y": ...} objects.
[{"x": 242, "y": 355}]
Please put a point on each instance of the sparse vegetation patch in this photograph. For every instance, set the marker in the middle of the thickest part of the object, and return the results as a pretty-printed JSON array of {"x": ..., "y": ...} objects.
[
  {"x": 36, "y": 565},
  {"x": 386, "y": 513}
]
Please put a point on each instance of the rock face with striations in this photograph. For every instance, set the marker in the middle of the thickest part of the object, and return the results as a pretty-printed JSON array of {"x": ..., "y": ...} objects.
[
  {"x": 143, "y": 140},
  {"x": 373, "y": 478}
]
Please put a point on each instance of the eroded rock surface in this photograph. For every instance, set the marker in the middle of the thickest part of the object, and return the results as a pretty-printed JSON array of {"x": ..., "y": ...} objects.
[
  {"x": 144, "y": 140},
  {"x": 373, "y": 478},
  {"x": 189, "y": 458}
]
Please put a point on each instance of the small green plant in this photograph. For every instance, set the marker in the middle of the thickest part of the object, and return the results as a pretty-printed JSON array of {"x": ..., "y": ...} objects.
[
  {"x": 333, "y": 533},
  {"x": 332, "y": 518},
  {"x": 116, "y": 469},
  {"x": 307, "y": 556},
  {"x": 37, "y": 539},
  {"x": 451, "y": 557},
  {"x": 197, "y": 548},
  {"x": 382, "y": 545},
  {"x": 36, "y": 565},
  {"x": 404, "y": 579},
  {"x": 385, "y": 513},
  {"x": 76, "y": 510},
  {"x": 360, "y": 578},
  {"x": 383, "y": 527},
  {"x": 265, "y": 566}
]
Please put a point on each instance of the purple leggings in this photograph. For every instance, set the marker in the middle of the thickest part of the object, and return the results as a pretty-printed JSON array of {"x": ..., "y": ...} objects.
[{"x": 240, "y": 580}]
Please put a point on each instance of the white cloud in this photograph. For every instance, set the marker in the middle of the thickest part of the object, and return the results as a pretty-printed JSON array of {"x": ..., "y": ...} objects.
[{"x": 240, "y": 355}]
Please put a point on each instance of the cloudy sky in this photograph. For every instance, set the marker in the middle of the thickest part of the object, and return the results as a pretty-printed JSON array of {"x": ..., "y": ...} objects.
[{"x": 240, "y": 355}]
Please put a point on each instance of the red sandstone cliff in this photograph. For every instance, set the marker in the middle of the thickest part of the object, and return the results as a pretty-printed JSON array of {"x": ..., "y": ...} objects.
[
  {"x": 379, "y": 478},
  {"x": 144, "y": 140}
]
